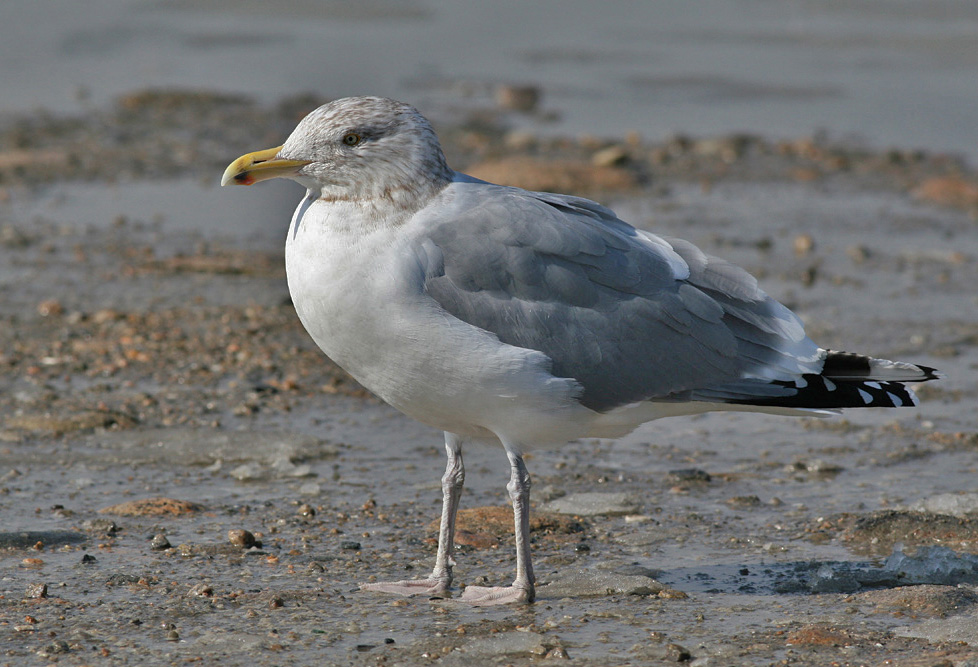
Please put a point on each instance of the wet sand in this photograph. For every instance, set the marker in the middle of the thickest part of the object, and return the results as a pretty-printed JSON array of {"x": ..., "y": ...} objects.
[{"x": 150, "y": 350}]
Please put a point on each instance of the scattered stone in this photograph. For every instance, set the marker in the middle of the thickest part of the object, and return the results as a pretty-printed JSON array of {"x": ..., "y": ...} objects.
[
  {"x": 101, "y": 526},
  {"x": 241, "y": 538},
  {"x": 661, "y": 653},
  {"x": 677, "y": 653},
  {"x": 743, "y": 502},
  {"x": 350, "y": 545},
  {"x": 201, "y": 591},
  {"x": 36, "y": 591},
  {"x": 159, "y": 543},
  {"x": 816, "y": 467},
  {"x": 122, "y": 579},
  {"x": 55, "y": 648},
  {"x": 592, "y": 504},
  {"x": 689, "y": 475},
  {"x": 672, "y": 594},
  {"x": 50, "y": 308},
  {"x": 307, "y": 510},
  {"x": 612, "y": 156}
]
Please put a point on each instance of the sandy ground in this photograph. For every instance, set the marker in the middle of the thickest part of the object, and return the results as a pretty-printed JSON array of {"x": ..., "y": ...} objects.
[{"x": 157, "y": 393}]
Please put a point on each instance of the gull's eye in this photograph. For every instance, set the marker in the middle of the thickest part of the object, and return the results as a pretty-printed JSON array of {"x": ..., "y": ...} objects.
[{"x": 351, "y": 139}]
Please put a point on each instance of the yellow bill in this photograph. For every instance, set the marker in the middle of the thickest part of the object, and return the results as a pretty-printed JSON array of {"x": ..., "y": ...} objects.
[{"x": 260, "y": 166}]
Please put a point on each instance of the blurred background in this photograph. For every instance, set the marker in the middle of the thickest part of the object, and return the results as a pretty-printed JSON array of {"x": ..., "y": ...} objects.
[
  {"x": 149, "y": 347},
  {"x": 890, "y": 73}
]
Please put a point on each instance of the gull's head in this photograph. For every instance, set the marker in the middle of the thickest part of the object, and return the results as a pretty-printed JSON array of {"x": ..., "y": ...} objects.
[{"x": 355, "y": 148}]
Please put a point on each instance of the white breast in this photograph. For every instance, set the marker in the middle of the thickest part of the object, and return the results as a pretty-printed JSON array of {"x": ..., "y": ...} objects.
[{"x": 358, "y": 292}]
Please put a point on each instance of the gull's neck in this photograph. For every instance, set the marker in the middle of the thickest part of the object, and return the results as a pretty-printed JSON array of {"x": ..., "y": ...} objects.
[{"x": 378, "y": 207}]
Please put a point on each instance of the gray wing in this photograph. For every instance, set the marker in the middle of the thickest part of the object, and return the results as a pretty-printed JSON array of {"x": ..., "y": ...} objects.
[{"x": 627, "y": 314}]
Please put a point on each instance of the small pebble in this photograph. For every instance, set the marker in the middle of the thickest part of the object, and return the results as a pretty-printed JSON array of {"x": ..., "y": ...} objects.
[
  {"x": 241, "y": 538},
  {"x": 350, "y": 545},
  {"x": 36, "y": 591},
  {"x": 689, "y": 475},
  {"x": 201, "y": 591},
  {"x": 50, "y": 307},
  {"x": 60, "y": 646},
  {"x": 305, "y": 509},
  {"x": 804, "y": 244},
  {"x": 159, "y": 543},
  {"x": 744, "y": 501},
  {"x": 677, "y": 653},
  {"x": 611, "y": 156}
]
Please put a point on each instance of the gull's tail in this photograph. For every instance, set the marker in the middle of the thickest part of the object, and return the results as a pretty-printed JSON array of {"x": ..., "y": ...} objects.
[{"x": 846, "y": 381}]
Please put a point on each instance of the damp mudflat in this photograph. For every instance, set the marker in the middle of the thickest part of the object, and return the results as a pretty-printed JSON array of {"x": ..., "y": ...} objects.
[{"x": 184, "y": 478}]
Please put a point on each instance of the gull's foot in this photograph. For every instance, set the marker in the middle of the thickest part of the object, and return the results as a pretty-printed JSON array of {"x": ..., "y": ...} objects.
[
  {"x": 484, "y": 596},
  {"x": 429, "y": 587}
]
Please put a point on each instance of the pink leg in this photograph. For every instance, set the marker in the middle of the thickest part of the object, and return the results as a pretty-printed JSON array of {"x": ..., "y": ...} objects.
[
  {"x": 441, "y": 577},
  {"x": 522, "y": 588}
]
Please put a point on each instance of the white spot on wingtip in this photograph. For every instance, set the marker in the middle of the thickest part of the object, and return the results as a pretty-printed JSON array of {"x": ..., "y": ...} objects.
[
  {"x": 867, "y": 397},
  {"x": 829, "y": 385}
]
